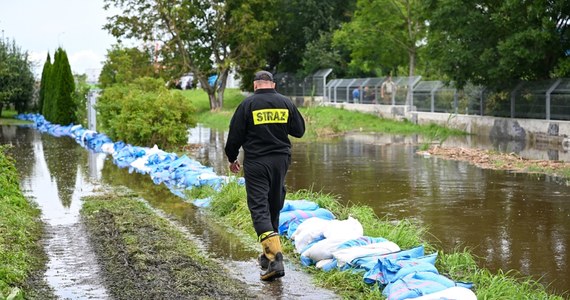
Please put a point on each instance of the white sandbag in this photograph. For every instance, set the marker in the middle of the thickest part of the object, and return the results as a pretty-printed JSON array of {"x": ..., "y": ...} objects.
[
  {"x": 309, "y": 231},
  {"x": 320, "y": 264},
  {"x": 350, "y": 227},
  {"x": 108, "y": 148},
  {"x": 346, "y": 255},
  {"x": 323, "y": 249},
  {"x": 140, "y": 164},
  {"x": 456, "y": 292}
]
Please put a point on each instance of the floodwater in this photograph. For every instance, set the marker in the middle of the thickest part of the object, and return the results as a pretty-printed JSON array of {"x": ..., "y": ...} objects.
[
  {"x": 509, "y": 220},
  {"x": 57, "y": 172},
  {"x": 50, "y": 174}
]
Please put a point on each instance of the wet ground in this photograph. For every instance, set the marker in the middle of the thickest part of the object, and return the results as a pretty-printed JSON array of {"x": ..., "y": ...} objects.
[
  {"x": 57, "y": 173},
  {"x": 509, "y": 220}
]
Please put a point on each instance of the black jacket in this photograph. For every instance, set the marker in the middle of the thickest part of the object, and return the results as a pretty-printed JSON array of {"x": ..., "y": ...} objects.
[{"x": 261, "y": 125}]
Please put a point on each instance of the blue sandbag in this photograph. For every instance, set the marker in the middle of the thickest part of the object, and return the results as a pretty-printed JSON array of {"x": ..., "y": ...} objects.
[
  {"x": 290, "y": 205},
  {"x": 390, "y": 269},
  {"x": 287, "y": 216},
  {"x": 419, "y": 284},
  {"x": 367, "y": 263}
]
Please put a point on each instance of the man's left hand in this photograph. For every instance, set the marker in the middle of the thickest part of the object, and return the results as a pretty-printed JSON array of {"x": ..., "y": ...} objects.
[{"x": 235, "y": 167}]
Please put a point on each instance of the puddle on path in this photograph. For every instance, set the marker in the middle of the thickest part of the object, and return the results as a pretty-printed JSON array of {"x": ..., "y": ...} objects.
[
  {"x": 215, "y": 240},
  {"x": 72, "y": 269}
]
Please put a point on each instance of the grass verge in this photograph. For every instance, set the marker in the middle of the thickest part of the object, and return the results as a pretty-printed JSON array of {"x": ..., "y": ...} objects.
[
  {"x": 230, "y": 209},
  {"x": 321, "y": 121},
  {"x": 143, "y": 256},
  {"x": 7, "y": 118},
  {"x": 22, "y": 260}
]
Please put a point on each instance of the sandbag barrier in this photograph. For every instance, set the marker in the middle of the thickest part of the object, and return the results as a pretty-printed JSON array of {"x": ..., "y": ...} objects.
[
  {"x": 177, "y": 173},
  {"x": 318, "y": 237}
]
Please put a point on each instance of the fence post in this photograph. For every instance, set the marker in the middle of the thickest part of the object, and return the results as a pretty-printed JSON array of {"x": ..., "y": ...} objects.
[
  {"x": 91, "y": 113},
  {"x": 455, "y": 101},
  {"x": 513, "y": 94},
  {"x": 552, "y": 88},
  {"x": 481, "y": 102}
]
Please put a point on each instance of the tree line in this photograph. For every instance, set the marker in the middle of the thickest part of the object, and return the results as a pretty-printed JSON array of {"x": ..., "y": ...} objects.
[
  {"x": 16, "y": 77},
  {"x": 492, "y": 43},
  {"x": 57, "y": 88}
]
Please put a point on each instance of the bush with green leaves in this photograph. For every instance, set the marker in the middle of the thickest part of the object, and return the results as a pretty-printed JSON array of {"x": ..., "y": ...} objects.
[{"x": 145, "y": 113}]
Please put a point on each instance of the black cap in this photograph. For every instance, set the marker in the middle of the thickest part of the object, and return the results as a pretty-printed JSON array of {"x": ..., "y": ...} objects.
[{"x": 263, "y": 75}]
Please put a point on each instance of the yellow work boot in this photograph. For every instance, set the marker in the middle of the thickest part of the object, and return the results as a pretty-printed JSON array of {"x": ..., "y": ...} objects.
[
  {"x": 272, "y": 250},
  {"x": 263, "y": 261}
]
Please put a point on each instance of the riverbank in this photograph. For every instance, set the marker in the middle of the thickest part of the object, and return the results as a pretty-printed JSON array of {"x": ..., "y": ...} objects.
[
  {"x": 230, "y": 210},
  {"x": 487, "y": 159},
  {"x": 22, "y": 258}
]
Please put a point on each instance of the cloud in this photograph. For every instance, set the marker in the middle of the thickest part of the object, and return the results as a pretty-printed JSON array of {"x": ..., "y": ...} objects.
[{"x": 82, "y": 60}]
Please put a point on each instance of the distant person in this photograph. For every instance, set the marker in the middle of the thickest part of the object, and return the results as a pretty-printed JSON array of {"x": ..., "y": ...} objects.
[
  {"x": 388, "y": 90},
  {"x": 355, "y": 95},
  {"x": 261, "y": 125}
]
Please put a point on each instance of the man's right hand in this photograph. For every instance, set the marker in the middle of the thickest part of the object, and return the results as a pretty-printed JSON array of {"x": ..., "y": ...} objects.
[{"x": 235, "y": 167}]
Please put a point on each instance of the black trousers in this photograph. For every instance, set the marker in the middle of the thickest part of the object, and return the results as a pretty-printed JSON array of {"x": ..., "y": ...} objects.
[{"x": 265, "y": 187}]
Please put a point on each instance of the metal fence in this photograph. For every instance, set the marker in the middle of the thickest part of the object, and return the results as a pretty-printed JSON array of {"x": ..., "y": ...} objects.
[
  {"x": 290, "y": 85},
  {"x": 547, "y": 99}
]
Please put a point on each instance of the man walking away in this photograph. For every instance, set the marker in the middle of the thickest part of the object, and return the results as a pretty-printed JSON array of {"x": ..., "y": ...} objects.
[{"x": 261, "y": 125}]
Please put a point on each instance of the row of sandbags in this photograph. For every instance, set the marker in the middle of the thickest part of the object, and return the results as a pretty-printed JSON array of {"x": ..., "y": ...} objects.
[
  {"x": 329, "y": 244},
  {"x": 178, "y": 173},
  {"x": 319, "y": 238}
]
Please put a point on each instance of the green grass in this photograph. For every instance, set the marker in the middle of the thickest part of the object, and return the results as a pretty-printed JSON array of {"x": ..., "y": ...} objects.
[
  {"x": 7, "y": 118},
  {"x": 20, "y": 233},
  {"x": 321, "y": 121},
  {"x": 230, "y": 209}
]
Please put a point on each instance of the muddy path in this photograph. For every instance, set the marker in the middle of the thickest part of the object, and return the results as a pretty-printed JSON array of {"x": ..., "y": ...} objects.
[{"x": 57, "y": 174}]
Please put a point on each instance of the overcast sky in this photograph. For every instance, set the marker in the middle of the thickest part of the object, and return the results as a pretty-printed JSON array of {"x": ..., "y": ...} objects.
[{"x": 39, "y": 26}]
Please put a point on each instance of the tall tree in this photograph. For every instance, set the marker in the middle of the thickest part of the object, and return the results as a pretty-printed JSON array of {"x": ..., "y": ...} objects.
[
  {"x": 66, "y": 106},
  {"x": 43, "y": 82},
  {"x": 384, "y": 34},
  {"x": 496, "y": 43},
  {"x": 16, "y": 77},
  {"x": 124, "y": 65},
  {"x": 303, "y": 26},
  {"x": 59, "y": 106},
  {"x": 195, "y": 35},
  {"x": 49, "y": 104}
]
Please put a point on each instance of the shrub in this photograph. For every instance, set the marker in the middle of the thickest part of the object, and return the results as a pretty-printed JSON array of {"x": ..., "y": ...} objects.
[{"x": 145, "y": 113}]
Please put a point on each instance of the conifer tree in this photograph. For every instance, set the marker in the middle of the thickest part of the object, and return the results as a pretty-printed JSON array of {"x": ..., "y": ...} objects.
[
  {"x": 43, "y": 82},
  {"x": 58, "y": 106},
  {"x": 50, "y": 89},
  {"x": 65, "y": 106}
]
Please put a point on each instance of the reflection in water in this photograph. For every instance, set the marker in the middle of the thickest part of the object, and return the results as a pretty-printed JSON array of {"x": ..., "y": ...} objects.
[
  {"x": 72, "y": 270},
  {"x": 61, "y": 157},
  {"x": 510, "y": 221}
]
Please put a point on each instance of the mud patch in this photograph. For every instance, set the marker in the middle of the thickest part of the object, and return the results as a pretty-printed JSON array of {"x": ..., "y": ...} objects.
[
  {"x": 143, "y": 257},
  {"x": 501, "y": 161}
]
